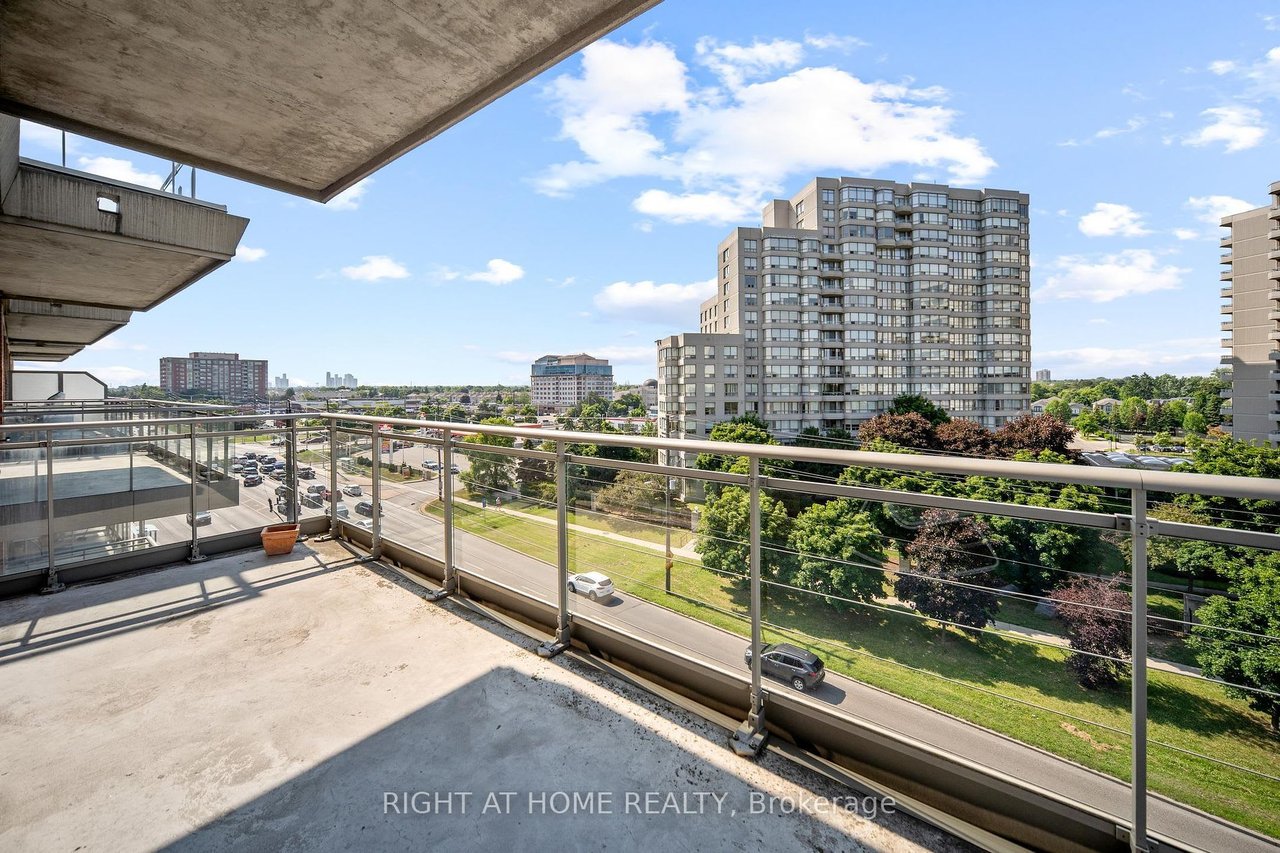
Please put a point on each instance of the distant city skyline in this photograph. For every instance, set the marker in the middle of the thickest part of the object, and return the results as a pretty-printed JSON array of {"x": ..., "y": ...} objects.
[{"x": 579, "y": 206}]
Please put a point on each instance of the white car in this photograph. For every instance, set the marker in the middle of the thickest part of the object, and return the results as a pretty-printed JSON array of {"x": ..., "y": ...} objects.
[
  {"x": 593, "y": 585},
  {"x": 352, "y": 489}
]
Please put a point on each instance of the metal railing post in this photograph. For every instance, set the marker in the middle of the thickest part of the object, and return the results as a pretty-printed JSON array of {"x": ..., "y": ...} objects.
[
  {"x": 195, "y": 532},
  {"x": 375, "y": 551},
  {"x": 749, "y": 738},
  {"x": 666, "y": 517},
  {"x": 450, "y": 583},
  {"x": 291, "y": 471},
  {"x": 560, "y": 641},
  {"x": 1138, "y": 698},
  {"x": 333, "y": 477},
  {"x": 52, "y": 584}
]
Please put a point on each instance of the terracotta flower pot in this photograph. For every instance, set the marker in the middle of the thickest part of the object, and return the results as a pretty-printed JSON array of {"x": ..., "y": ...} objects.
[{"x": 279, "y": 539}]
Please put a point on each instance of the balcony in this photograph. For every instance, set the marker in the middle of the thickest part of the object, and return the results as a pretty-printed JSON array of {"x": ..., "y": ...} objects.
[
  {"x": 1225, "y": 275},
  {"x": 344, "y": 620},
  {"x": 1226, "y": 258},
  {"x": 1226, "y": 325}
]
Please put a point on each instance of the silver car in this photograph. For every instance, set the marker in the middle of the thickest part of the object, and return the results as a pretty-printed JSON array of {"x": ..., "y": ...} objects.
[{"x": 593, "y": 585}]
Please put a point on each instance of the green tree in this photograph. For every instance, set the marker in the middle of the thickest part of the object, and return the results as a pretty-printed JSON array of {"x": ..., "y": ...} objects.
[
  {"x": 1237, "y": 653},
  {"x": 489, "y": 473},
  {"x": 744, "y": 429},
  {"x": 634, "y": 494},
  {"x": 724, "y": 533},
  {"x": 1172, "y": 414},
  {"x": 1059, "y": 409},
  {"x": 1194, "y": 423},
  {"x": 839, "y": 552},
  {"x": 1088, "y": 422},
  {"x": 907, "y": 403}
]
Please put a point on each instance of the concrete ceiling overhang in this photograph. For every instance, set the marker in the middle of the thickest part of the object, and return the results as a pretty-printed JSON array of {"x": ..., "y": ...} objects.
[
  {"x": 305, "y": 98},
  {"x": 71, "y": 238},
  {"x": 48, "y": 331}
]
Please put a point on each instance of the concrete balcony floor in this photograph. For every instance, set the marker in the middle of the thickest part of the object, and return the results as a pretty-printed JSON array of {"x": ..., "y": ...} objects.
[{"x": 270, "y": 703}]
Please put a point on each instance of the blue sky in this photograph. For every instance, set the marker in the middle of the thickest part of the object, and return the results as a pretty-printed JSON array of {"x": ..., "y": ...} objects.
[{"x": 582, "y": 211}]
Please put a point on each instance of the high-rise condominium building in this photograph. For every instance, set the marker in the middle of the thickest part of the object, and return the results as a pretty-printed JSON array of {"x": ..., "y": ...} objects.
[
  {"x": 1252, "y": 318},
  {"x": 218, "y": 374},
  {"x": 560, "y": 382},
  {"x": 1044, "y": 376},
  {"x": 853, "y": 292}
]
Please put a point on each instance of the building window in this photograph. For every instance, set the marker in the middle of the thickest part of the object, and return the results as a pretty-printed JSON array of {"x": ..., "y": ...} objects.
[
  {"x": 724, "y": 256},
  {"x": 828, "y": 196},
  {"x": 749, "y": 246},
  {"x": 709, "y": 371}
]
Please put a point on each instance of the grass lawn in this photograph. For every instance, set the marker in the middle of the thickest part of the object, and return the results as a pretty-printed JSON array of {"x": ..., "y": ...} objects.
[
  {"x": 648, "y": 531},
  {"x": 959, "y": 674}
]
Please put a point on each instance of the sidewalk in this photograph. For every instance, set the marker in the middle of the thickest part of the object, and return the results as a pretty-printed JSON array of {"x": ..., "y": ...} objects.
[{"x": 688, "y": 552}]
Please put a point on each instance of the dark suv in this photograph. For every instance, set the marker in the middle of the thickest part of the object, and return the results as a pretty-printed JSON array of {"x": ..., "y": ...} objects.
[{"x": 804, "y": 670}]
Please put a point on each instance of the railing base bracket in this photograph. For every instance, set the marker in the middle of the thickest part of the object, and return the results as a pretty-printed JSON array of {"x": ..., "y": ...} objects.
[
  {"x": 550, "y": 649},
  {"x": 439, "y": 594},
  {"x": 52, "y": 588},
  {"x": 747, "y": 742}
]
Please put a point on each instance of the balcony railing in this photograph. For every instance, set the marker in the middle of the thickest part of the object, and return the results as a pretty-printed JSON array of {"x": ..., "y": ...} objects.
[{"x": 89, "y": 498}]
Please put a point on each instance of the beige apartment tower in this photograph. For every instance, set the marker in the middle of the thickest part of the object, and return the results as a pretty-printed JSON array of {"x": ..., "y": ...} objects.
[
  {"x": 851, "y": 293},
  {"x": 1252, "y": 319},
  {"x": 557, "y": 383}
]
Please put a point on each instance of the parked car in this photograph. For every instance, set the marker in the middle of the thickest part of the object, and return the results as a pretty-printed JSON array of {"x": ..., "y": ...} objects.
[
  {"x": 312, "y": 500},
  {"x": 315, "y": 439},
  {"x": 251, "y": 455},
  {"x": 366, "y": 508},
  {"x": 803, "y": 669},
  {"x": 306, "y": 472},
  {"x": 282, "y": 491},
  {"x": 454, "y": 469},
  {"x": 316, "y": 489},
  {"x": 594, "y": 585},
  {"x": 432, "y": 466},
  {"x": 340, "y": 509},
  {"x": 202, "y": 517},
  {"x": 236, "y": 468},
  {"x": 267, "y": 460},
  {"x": 277, "y": 474},
  {"x": 352, "y": 489},
  {"x": 252, "y": 478}
]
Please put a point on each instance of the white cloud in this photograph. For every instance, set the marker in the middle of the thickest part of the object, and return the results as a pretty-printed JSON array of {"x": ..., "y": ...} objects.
[
  {"x": 711, "y": 207},
  {"x": 566, "y": 281},
  {"x": 498, "y": 271},
  {"x": 1099, "y": 321},
  {"x": 350, "y": 198},
  {"x": 120, "y": 170},
  {"x": 1131, "y": 126},
  {"x": 46, "y": 137},
  {"x": 516, "y": 357},
  {"x": 831, "y": 41},
  {"x": 1187, "y": 356},
  {"x": 1112, "y": 220},
  {"x": 376, "y": 268},
  {"x": 249, "y": 255},
  {"x": 1238, "y": 127},
  {"x": 1222, "y": 66},
  {"x": 1187, "y": 234},
  {"x": 119, "y": 375},
  {"x": 1128, "y": 273},
  {"x": 1270, "y": 22},
  {"x": 634, "y": 111},
  {"x": 646, "y": 301},
  {"x": 1213, "y": 207},
  {"x": 735, "y": 63}
]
